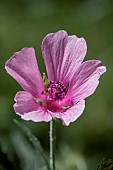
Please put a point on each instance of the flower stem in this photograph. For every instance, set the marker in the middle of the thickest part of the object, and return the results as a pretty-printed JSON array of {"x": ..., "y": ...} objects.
[{"x": 52, "y": 144}]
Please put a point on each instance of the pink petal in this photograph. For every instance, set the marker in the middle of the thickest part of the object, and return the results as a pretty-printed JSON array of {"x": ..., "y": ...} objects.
[
  {"x": 23, "y": 67},
  {"x": 72, "y": 113},
  {"x": 85, "y": 80},
  {"x": 28, "y": 109},
  {"x": 62, "y": 54}
]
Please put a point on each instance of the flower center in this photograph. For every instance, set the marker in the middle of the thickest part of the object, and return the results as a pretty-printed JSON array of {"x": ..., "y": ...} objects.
[{"x": 55, "y": 91}]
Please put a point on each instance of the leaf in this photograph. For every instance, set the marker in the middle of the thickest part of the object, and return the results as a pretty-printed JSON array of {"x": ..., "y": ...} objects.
[
  {"x": 34, "y": 140},
  {"x": 29, "y": 159},
  {"x": 105, "y": 165}
]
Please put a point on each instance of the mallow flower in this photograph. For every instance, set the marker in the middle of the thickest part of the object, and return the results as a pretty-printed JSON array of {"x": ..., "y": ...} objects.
[{"x": 70, "y": 80}]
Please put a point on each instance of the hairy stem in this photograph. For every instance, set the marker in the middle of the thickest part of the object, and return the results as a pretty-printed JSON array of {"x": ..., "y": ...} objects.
[{"x": 52, "y": 144}]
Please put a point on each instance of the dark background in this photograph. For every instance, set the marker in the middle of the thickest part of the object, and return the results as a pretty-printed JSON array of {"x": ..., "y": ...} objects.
[{"x": 24, "y": 23}]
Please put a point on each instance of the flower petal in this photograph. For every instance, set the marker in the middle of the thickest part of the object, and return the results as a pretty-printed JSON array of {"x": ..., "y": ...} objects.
[
  {"x": 28, "y": 109},
  {"x": 62, "y": 54},
  {"x": 85, "y": 80},
  {"x": 72, "y": 113},
  {"x": 22, "y": 66}
]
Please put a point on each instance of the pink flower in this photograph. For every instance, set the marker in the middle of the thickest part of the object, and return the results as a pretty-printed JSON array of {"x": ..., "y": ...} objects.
[{"x": 69, "y": 80}]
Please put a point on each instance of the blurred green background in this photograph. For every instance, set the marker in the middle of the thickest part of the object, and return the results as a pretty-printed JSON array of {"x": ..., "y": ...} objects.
[{"x": 24, "y": 23}]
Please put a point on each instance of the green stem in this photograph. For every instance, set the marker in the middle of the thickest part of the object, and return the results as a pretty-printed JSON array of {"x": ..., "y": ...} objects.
[{"x": 52, "y": 145}]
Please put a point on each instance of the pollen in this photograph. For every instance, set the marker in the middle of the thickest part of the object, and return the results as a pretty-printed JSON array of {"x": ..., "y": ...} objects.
[{"x": 56, "y": 91}]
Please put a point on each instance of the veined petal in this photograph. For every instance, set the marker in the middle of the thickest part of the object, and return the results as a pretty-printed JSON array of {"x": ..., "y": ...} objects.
[
  {"x": 71, "y": 114},
  {"x": 28, "y": 109},
  {"x": 85, "y": 80},
  {"x": 62, "y": 54},
  {"x": 23, "y": 67}
]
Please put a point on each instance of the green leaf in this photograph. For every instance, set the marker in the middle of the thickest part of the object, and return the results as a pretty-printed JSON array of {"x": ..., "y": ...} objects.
[
  {"x": 105, "y": 165},
  {"x": 35, "y": 142}
]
